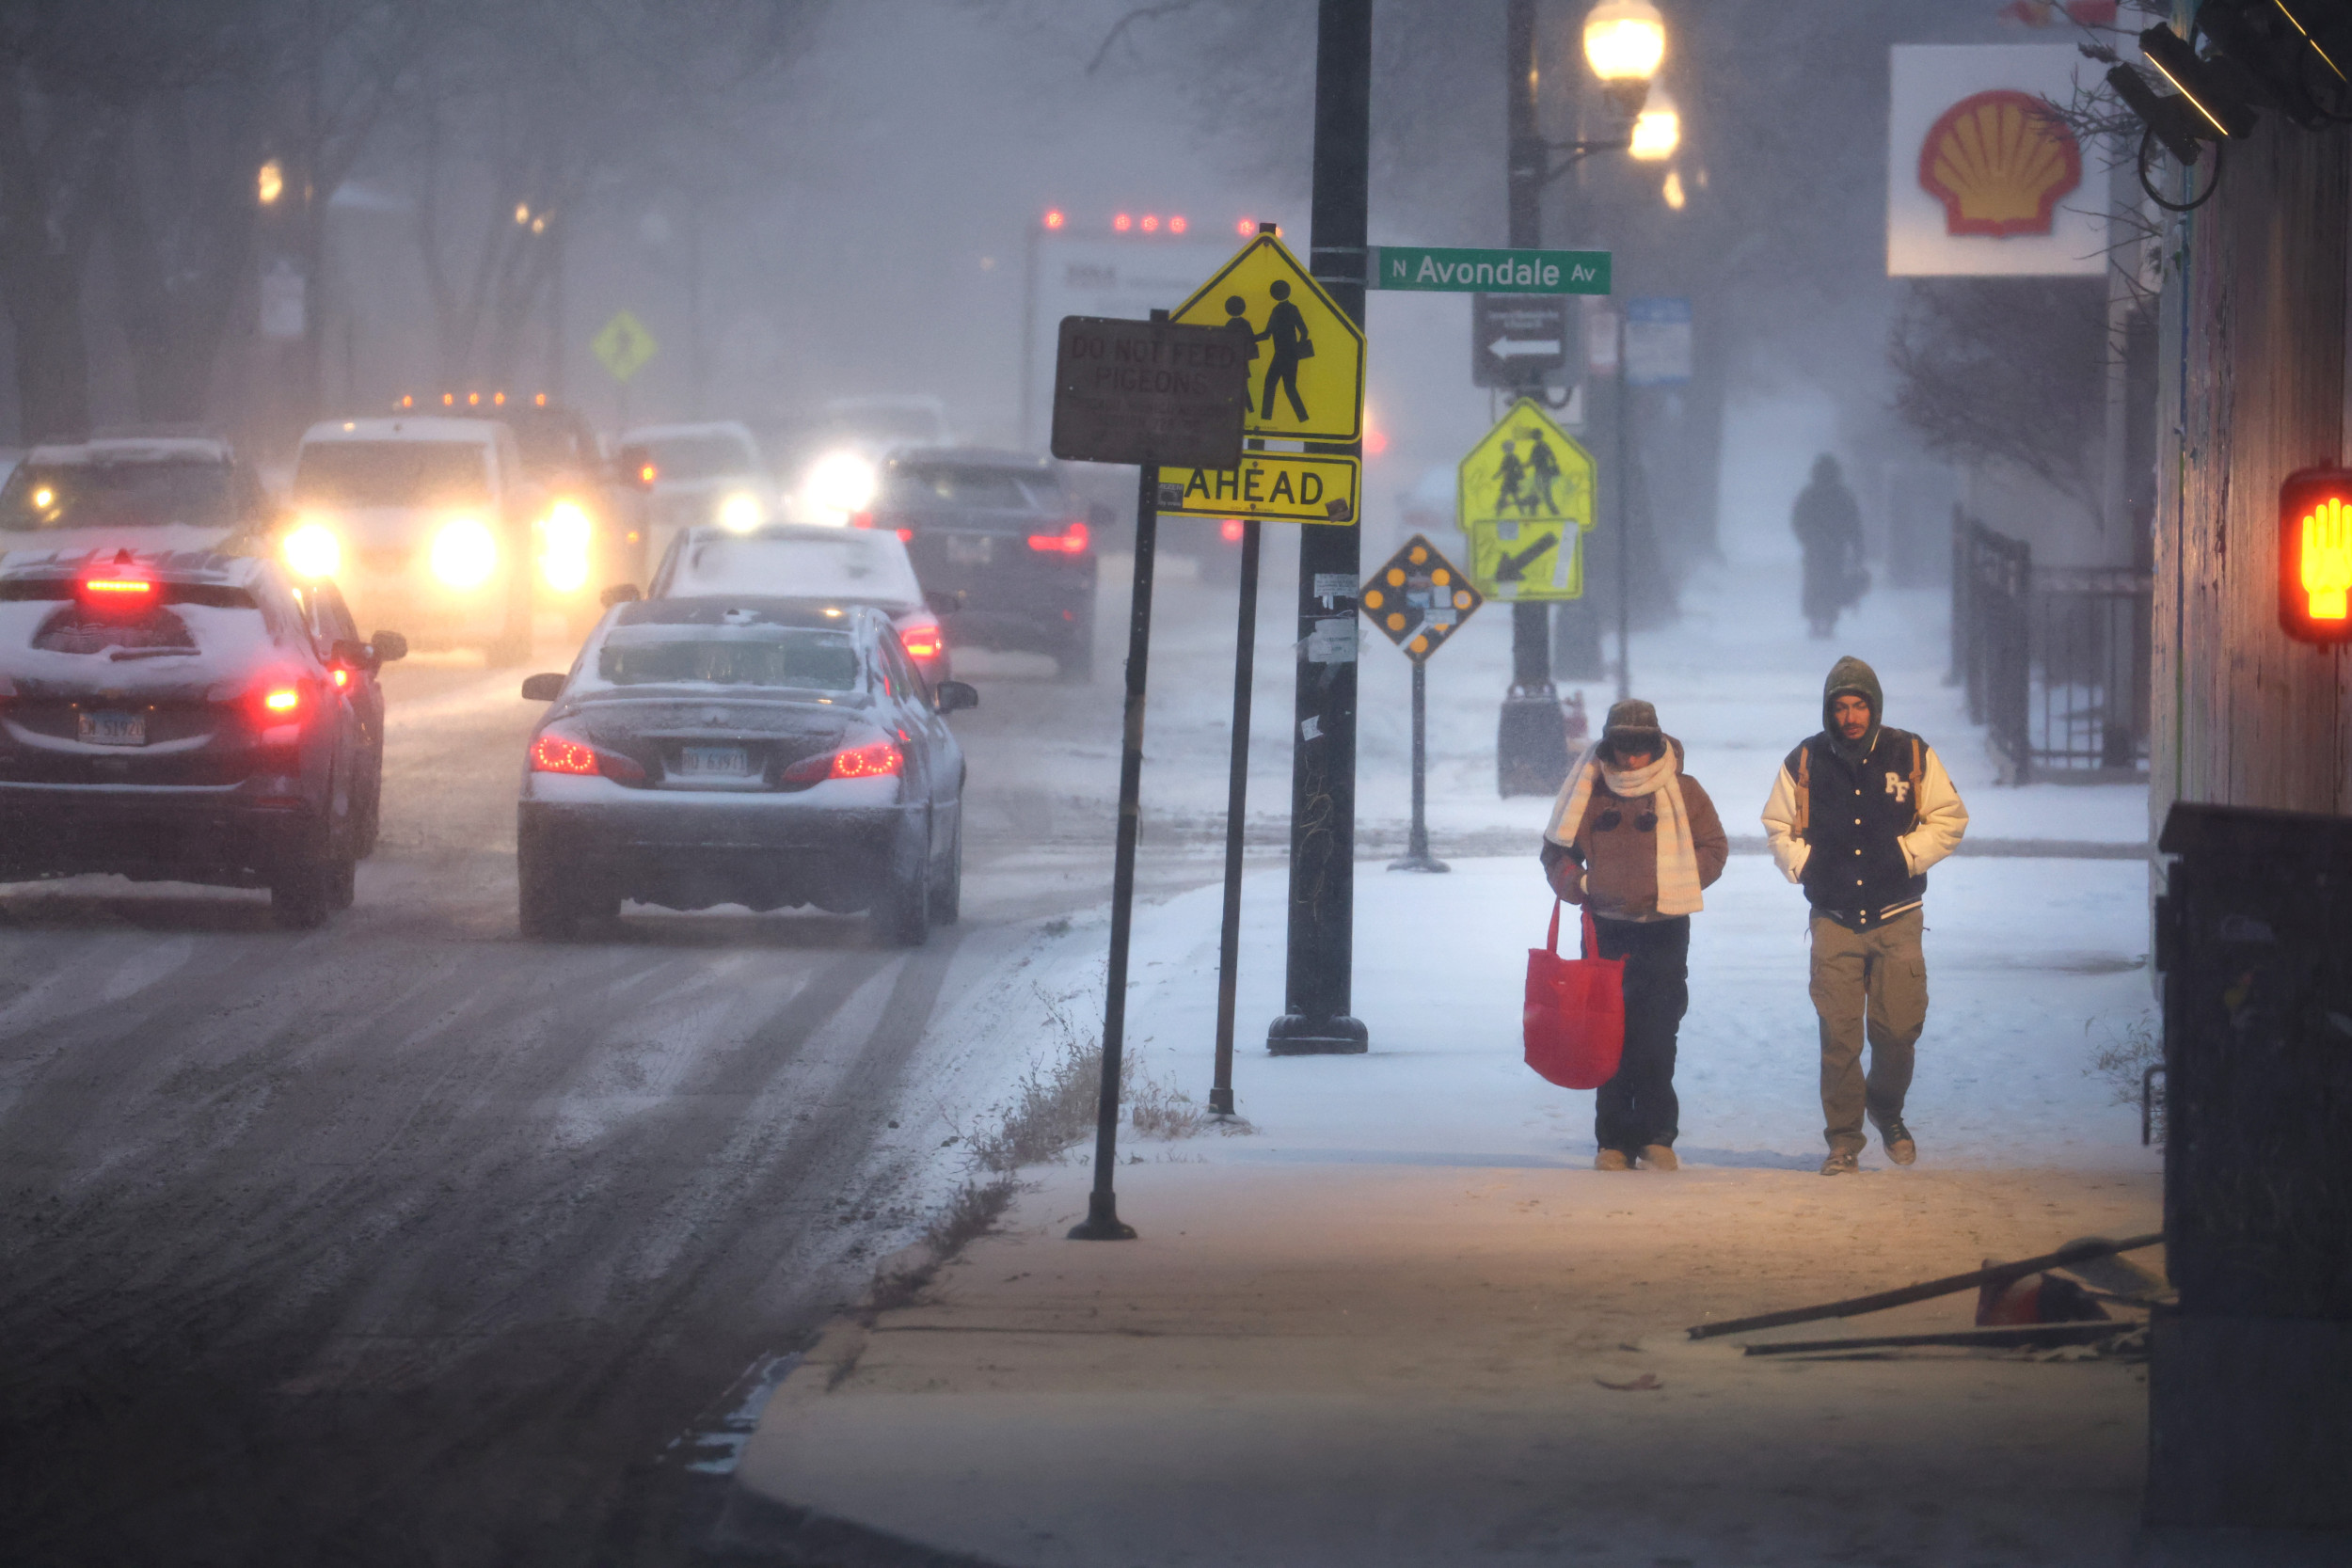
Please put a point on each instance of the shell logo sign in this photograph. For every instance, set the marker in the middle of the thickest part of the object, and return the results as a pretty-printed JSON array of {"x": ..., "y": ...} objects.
[
  {"x": 1983, "y": 179},
  {"x": 1999, "y": 162}
]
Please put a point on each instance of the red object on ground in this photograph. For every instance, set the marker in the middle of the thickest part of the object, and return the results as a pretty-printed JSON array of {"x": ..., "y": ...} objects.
[{"x": 1575, "y": 1016}]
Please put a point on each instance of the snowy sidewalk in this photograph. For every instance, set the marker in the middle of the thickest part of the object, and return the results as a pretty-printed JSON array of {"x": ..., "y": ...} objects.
[{"x": 1384, "y": 1325}]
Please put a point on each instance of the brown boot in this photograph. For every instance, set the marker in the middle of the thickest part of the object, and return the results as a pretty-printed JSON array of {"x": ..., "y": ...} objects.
[
  {"x": 1659, "y": 1157},
  {"x": 1612, "y": 1159}
]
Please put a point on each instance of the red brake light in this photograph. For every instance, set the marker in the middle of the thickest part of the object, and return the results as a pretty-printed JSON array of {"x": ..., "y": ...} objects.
[
  {"x": 284, "y": 702},
  {"x": 906, "y": 536},
  {"x": 1070, "y": 541},
  {"x": 342, "y": 676},
  {"x": 879, "y": 760},
  {"x": 556, "y": 752},
  {"x": 921, "y": 641},
  {"x": 139, "y": 586},
  {"x": 861, "y": 519}
]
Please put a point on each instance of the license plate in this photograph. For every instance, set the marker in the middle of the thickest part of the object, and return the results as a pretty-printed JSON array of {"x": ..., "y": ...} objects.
[
  {"x": 115, "y": 729},
  {"x": 706, "y": 762},
  {"x": 970, "y": 550}
]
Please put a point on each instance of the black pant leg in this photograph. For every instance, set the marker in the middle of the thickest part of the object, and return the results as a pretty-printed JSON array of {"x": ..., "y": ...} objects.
[{"x": 1638, "y": 1105}]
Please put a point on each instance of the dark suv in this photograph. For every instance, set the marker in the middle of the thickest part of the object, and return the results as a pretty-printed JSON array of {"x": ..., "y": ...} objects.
[{"x": 995, "y": 533}]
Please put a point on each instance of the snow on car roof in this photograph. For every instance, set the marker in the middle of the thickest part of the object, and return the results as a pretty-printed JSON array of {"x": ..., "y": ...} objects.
[
  {"x": 106, "y": 450},
  {"x": 720, "y": 610},
  {"x": 187, "y": 567}
]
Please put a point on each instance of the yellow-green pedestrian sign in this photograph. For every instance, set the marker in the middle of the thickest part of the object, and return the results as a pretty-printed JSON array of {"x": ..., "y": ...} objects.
[
  {"x": 1524, "y": 496},
  {"x": 624, "y": 345},
  {"x": 1305, "y": 385}
]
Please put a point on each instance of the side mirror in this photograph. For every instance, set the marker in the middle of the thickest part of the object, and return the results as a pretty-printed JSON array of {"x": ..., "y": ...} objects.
[
  {"x": 353, "y": 655},
  {"x": 633, "y": 466},
  {"x": 953, "y": 697},
  {"x": 388, "y": 646},
  {"x": 941, "y": 602},
  {"x": 542, "y": 688},
  {"x": 620, "y": 593}
]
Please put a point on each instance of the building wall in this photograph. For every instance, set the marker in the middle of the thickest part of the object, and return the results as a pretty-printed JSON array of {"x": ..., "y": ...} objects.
[{"x": 2254, "y": 339}]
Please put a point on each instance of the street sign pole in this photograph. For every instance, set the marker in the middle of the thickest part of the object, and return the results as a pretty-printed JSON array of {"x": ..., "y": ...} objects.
[
  {"x": 1532, "y": 735},
  {"x": 1319, "y": 979},
  {"x": 1416, "y": 856},
  {"x": 1103, "y": 1223},
  {"x": 1625, "y": 538},
  {"x": 1236, "y": 799}
]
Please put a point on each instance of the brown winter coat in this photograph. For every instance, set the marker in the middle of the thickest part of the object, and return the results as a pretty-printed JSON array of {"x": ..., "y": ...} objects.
[{"x": 1616, "y": 868}]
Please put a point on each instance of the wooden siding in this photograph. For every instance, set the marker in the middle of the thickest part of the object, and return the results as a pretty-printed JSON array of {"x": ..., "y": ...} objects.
[{"x": 2254, "y": 346}]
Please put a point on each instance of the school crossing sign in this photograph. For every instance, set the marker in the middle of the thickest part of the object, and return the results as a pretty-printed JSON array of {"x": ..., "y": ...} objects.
[
  {"x": 1524, "y": 497},
  {"x": 1305, "y": 381}
]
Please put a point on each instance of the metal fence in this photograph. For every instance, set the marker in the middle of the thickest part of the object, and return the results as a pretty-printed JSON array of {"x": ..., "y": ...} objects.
[{"x": 2054, "y": 659}]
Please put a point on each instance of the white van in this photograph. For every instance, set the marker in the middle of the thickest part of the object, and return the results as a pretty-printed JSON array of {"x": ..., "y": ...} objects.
[{"x": 424, "y": 523}]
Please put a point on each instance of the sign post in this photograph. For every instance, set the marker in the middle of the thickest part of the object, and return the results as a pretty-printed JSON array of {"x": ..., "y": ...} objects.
[
  {"x": 1656, "y": 353},
  {"x": 1136, "y": 392},
  {"x": 1419, "y": 599}
]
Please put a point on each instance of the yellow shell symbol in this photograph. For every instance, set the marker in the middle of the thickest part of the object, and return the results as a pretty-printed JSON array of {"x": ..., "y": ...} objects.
[{"x": 1999, "y": 162}]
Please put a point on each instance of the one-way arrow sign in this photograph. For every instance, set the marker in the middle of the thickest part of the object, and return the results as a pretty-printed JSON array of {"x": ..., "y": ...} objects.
[{"x": 1518, "y": 339}]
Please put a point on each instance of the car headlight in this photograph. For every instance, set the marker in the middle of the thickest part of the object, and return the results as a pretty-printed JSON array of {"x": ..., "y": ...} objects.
[
  {"x": 465, "y": 553},
  {"x": 565, "y": 538},
  {"x": 838, "y": 483},
  {"x": 312, "y": 550},
  {"x": 741, "y": 512}
]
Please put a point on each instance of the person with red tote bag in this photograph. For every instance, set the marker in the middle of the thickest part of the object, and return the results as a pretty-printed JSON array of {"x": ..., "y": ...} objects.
[{"x": 1632, "y": 841}]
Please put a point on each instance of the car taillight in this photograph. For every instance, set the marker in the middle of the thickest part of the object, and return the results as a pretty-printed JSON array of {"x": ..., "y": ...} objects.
[
  {"x": 861, "y": 519},
  {"x": 557, "y": 752},
  {"x": 879, "y": 760},
  {"x": 922, "y": 641},
  {"x": 283, "y": 701},
  {"x": 119, "y": 590},
  {"x": 343, "y": 678},
  {"x": 1070, "y": 541}
]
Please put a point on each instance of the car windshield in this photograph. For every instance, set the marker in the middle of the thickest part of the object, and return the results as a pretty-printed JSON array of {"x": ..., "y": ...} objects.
[
  {"x": 971, "y": 484},
  {"x": 117, "y": 495},
  {"x": 718, "y": 656},
  {"x": 708, "y": 456},
  {"x": 393, "y": 473},
  {"x": 850, "y": 563}
]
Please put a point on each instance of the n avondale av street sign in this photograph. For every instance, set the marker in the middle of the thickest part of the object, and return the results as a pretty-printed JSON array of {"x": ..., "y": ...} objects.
[{"x": 1487, "y": 272}]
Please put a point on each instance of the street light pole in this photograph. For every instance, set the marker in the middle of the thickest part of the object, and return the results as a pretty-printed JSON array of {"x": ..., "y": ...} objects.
[
  {"x": 1532, "y": 739},
  {"x": 1319, "y": 977}
]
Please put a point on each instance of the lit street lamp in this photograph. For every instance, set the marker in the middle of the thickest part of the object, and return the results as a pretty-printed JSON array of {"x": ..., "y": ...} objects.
[{"x": 1624, "y": 43}]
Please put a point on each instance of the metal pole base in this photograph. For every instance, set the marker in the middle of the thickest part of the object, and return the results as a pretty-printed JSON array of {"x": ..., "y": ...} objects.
[
  {"x": 1295, "y": 1035},
  {"x": 1221, "y": 1103},
  {"x": 1419, "y": 863},
  {"x": 1102, "y": 1223},
  {"x": 1531, "y": 744}
]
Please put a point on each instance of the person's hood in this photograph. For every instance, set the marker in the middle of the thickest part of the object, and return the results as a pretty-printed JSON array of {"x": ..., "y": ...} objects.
[{"x": 1851, "y": 677}]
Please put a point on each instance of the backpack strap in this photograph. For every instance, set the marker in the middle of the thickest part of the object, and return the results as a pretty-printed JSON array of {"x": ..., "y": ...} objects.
[{"x": 1804, "y": 789}]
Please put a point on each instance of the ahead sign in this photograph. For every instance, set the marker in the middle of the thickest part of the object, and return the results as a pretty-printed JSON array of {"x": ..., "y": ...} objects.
[{"x": 1148, "y": 392}]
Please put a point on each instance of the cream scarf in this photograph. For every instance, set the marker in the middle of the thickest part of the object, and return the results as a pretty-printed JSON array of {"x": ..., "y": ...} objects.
[{"x": 1677, "y": 859}]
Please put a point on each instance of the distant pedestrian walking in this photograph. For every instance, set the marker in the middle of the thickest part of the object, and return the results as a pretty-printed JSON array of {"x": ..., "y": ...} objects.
[
  {"x": 1634, "y": 839},
  {"x": 1829, "y": 525},
  {"x": 1286, "y": 330},
  {"x": 1857, "y": 814}
]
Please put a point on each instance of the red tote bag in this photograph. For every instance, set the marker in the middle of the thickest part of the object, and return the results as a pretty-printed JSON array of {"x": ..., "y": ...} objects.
[{"x": 1575, "y": 1016}]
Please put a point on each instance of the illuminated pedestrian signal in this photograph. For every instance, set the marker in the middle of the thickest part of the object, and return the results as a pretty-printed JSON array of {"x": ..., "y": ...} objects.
[{"x": 2315, "y": 555}]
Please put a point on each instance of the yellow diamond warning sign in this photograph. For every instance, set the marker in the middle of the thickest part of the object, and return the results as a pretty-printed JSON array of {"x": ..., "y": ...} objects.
[
  {"x": 1305, "y": 357},
  {"x": 1524, "y": 496},
  {"x": 1419, "y": 598}
]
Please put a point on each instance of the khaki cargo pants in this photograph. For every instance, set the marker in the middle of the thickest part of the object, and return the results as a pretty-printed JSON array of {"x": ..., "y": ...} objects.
[{"x": 1872, "y": 982}]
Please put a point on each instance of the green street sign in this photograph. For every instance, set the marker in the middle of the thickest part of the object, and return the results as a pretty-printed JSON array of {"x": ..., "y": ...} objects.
[{"x": 1488, "y": 271}]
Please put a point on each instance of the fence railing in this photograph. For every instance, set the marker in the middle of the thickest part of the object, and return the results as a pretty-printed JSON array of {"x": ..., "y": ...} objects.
[{"x": 2054, "y": 659}]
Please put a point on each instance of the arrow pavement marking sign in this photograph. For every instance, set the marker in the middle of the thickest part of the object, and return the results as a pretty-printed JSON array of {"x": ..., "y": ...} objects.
[
  {"x": 1516, "y": 340},
  {"x": 1273, "y": 486},
  {"x": 1489, "y": 272},
  {"x": 1524, "y": 496},
  {"x": 624, "y": 345},
  {"x": 1306, "y": 358},
  {"x": 1420, "y": 598}
]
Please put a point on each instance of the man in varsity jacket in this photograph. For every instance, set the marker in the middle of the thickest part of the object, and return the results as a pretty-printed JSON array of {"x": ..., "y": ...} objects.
[{"x": 1856, "y": 817}]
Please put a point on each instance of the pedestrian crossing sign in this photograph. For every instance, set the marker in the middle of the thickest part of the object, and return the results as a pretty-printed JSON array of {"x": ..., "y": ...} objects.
[
  {"x": 1305, "y": 358},
  {"x": 1525, "y": 497},
  {"x": 1417, "y": 598}
]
